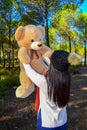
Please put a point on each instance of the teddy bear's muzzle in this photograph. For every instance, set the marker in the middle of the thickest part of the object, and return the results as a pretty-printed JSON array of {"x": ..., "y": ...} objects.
[
  {"x": 36, "y": 45},
  {"x": 39, "y": 45}
]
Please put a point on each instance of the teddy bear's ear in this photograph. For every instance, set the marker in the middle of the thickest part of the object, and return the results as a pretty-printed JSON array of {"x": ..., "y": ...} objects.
[
  {"x": 19, "y": 33},
  {"x": 42, "y": 29}
]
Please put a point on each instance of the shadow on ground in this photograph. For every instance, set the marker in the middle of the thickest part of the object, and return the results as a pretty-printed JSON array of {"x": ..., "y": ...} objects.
[{"x": 19, "y": 114}]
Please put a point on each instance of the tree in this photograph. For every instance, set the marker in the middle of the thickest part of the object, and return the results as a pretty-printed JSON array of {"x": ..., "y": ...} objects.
[
  {"x": 31, "y": 17},
  {"x": 52, "y": 38},
  {"x": 81, "y": 24},
  {"x": 64, "y": 23},
  {"x": 8, "y": 12},
  {"x": 46, "y": 9}
]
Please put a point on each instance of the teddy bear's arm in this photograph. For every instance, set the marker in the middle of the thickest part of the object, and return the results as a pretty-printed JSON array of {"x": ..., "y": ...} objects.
[
  {"x": 46, "y": 54},
  {"x": 23, "y": 55}
]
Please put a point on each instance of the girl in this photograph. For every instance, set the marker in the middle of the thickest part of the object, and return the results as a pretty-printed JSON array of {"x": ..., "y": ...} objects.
[{"x": 54, "y": 92}]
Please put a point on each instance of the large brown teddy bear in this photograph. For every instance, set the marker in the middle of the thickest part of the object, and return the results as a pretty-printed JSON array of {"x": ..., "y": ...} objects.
[{"x": 31, "y": 51}]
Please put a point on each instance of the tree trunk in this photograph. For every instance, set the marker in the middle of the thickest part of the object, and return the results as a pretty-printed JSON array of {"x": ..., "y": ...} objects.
[
  {"x": 3, "y": 51},
  {"x": 46, "y": 24},
  {"x": 9, "y": 50},
  {"x": 12, "y": 55},
  {"x": 9, "y": 59},
  {"x": 84, "y": 52},
  {"x": 69, "y": 43}
]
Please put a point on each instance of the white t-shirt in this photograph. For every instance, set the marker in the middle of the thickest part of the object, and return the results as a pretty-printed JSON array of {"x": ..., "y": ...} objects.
[{"x": 52, "y": 115}]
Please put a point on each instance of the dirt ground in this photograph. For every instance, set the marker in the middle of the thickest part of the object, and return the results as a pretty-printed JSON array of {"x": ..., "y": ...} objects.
[{"x": 19, "y": 114}]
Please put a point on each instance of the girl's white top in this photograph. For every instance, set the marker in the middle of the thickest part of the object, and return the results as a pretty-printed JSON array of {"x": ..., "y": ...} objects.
[{"x": 52, "y": 115}]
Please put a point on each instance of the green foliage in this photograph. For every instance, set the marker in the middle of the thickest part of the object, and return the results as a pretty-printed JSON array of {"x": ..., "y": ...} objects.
[
  {"x": 64, "y": 20},
  {"x": 9, "y": 82},
  {"x": 64, "y": 23},
  {"x": 81, "y": 21},
  {"x": 9, "y": 79},
  {"x": 31, "y": 17},
  {"x": 81, "y": 24},
  {"x": 52, "y": 37},
  {"x": 1, "y": 100}
]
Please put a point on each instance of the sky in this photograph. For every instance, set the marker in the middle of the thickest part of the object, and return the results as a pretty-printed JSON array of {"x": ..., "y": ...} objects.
[{"x": 84, "y": 6}]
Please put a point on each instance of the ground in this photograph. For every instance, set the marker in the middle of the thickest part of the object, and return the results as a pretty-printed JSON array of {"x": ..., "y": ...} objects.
[{"x": 19, "y": 114}]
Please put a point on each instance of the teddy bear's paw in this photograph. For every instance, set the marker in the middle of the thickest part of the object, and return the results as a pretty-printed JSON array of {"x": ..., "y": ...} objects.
[
  {"x": 23, "y": 92},
  {"x": 48, "y": 54},
  {"x": 74, "y": 58},
  {"x": 46, "y": 57}
]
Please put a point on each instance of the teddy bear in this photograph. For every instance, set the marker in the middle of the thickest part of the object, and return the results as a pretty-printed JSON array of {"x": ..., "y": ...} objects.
[{"x": 31, "y": 51}]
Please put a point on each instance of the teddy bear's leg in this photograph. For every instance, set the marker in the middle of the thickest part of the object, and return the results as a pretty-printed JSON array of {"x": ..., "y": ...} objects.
[
  {"x": 26, "y": 87},
  {"x": 23, "y": 92}
]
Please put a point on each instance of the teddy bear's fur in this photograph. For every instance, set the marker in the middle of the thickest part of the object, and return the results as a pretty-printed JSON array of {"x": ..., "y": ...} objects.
[{"x": 31, "y": 51}]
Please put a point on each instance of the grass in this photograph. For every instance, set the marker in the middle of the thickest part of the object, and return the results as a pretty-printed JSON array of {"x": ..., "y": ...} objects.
[{"x": 8, "y": 79}]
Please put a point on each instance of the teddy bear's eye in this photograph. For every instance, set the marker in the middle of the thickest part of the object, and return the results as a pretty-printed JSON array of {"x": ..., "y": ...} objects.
[{"x": 32, "y": 40}]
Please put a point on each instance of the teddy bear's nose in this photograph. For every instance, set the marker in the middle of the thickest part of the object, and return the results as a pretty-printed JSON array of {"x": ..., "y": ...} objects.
[{"x": 39, "y": 45}]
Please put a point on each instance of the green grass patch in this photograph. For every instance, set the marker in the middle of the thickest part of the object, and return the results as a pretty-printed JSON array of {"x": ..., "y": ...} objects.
[{"x": 8, "y": 79}]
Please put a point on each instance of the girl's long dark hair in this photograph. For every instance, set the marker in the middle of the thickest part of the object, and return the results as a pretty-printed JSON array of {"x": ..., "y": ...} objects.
[{"x": 58, "y": 86}]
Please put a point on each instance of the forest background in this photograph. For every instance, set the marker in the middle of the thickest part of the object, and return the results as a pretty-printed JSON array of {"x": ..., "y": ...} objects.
[{"x": 65, "y": 23}]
